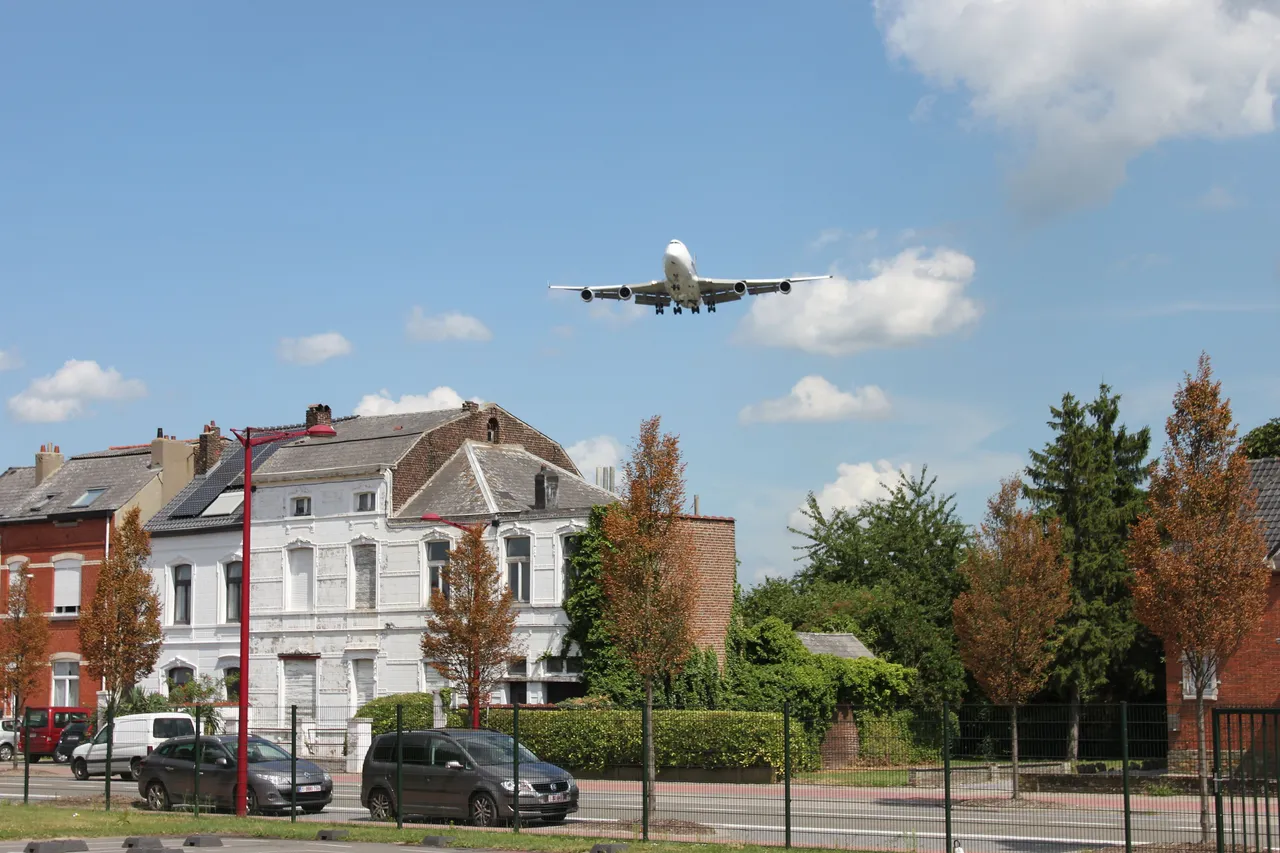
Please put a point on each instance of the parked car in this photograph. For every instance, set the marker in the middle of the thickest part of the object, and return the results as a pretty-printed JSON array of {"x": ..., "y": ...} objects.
[
  {"x": 72, "y": 736},
  {"x": 136, "y": 736},
  {"x": 8, "y": 740},
  {"x": 43, "y": 728},
  {"x": 463, "y": 773},
  {"x": 167, "y": 776}
]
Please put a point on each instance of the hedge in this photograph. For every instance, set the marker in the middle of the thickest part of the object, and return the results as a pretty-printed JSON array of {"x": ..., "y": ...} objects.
[{"x": 416, "y": 712}]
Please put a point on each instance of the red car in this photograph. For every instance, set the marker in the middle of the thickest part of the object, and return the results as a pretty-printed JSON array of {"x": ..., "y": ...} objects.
[{"x": 44, "y": 727}]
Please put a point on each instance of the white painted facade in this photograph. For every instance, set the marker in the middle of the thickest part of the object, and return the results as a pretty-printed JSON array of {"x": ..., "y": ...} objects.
[{"x": 313, "y": 643}]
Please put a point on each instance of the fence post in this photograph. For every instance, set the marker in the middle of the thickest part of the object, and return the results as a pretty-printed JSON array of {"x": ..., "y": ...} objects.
[
  {"x": 1124, "y": 755},
  {"x": 644, "y": 771},
  {"x": 293, "y": 764},
  {"x": 1217, "y": 782},
  {"x": 399, "y": 766},
  {"x": 26, "y": 755},
  {"x": 195, "y": 787},
  {"x": 786, "y": 768},
  {"x": 515, "y": 766},
  {"x": 111, "y": 736},
  {"x": 946, "y": 771}
]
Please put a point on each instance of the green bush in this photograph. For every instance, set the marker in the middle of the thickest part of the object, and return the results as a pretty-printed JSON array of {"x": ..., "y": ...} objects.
[
  {"x": 416, "y": 713},
  {"x": 897, "y": 739}
]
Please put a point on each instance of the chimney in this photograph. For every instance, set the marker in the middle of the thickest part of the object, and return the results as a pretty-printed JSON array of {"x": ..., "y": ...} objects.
[
  {"x": 319, "y": 413},
  {"x": 470, "y": 406},
  {"x": 695, "y": 506},
  {"x": 540, "y": 489},
  {"x": 176, "y": 462},
  {"x": 552, "y": 480},
  {"x": 48, "y": 460},
  {"x": 209, "y": 450}
]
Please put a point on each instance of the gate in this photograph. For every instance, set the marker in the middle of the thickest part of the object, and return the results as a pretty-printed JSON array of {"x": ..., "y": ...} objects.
[{"x": 1246, "y": 756}]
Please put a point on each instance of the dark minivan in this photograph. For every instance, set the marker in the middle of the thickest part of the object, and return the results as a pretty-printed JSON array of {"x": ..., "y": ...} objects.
[{"x": 463, "y": 773}]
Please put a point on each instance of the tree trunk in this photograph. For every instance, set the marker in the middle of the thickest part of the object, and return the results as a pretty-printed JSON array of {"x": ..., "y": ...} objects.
[
  {"x": 1202, "y": 766},
  {"x": 473, "y": 697},
  {"x": 1013, "y": 716},
  {"x": 1073, "y": 725},
  {"x": 650, "y": 770}
]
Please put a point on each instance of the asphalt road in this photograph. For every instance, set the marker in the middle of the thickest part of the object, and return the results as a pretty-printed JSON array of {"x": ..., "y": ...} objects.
[
  {"x": 861, "y": 818},
  {"x": 237, "y": 845}
]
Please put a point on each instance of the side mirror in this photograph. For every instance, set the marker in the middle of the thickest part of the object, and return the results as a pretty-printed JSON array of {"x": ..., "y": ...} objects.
[
  {"x": 222, "y": 762},
  {"x": 453, "y": 765}
]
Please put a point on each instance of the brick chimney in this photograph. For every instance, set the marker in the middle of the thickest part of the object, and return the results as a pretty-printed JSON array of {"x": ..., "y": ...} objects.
[
  {"x": 48, "y": 460},
  {"x": 470, "y": 406},
  {"x": 319, "y": 413},
  {"x": 209, "y": 451}
]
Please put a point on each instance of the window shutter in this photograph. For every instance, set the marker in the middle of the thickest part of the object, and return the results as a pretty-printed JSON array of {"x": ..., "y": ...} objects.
[
  {"x": 300, "y": 687},
  {"x": 300, "y": 570},
  {"x": 366, "y": 561},
  {"x": 363, "y": 670},
  {"x": 66, "y": 587}
]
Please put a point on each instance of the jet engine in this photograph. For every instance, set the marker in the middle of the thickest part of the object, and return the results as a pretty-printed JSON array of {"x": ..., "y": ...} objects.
[
  {"x": 740, "y": 288},
  {"x": 624, "y": 293},
  {"x": 784, "y": 287},
  {"x": 587, "y": 295}
]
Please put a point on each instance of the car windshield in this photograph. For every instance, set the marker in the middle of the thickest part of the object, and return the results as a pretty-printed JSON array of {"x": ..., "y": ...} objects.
[
  {"x": 261, "y": 751},
  {"x": 493, "y": 749}
]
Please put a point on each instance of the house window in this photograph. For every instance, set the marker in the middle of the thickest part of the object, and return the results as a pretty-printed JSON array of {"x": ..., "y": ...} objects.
[
  {"x": 570, "y": 548},
  {"x": 437, "y": 560},
  {"x": 517, "y": 692},
  {"x": 234, "y": 577},
  {"x": 182, "y": 595},
  {"x": 66, "y": 587},
  {"x": 1189, "y": 681},
  {"x": 88, "y": 498},
  {"x": 301, "y": 568},
  {"x": 301, "y": 506},
  {"x": 518, "y": 666},
  {"x": 66, "y": 684},
  {"x": 365, "y": 558},
  {"x": 518, "y": 569},
  {"x": 362, "y": 675},
  {"x": 562, "y": 665},
  {"x": 231, "y": 680},
  {"x": 366, "y": 502},
  {"x": 492, "y": 433},
  {"x": 178, "y": 676},
  {"x": 300, "y": 687}
]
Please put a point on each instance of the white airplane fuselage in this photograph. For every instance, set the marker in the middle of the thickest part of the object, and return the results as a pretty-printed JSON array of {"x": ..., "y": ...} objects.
[{"x": 681, "y": 273}]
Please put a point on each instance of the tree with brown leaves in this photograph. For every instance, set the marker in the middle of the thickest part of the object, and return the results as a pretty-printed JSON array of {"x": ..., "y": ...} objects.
[
  {"x": 24, "y": 640},
  {"x": 1200, "y": 581},
  {"x": 120, "y": 631},
  {"x": 647, "y": 570},
  {"x": 1019, "y": 589},
  {"x": 469, "y": 637}
]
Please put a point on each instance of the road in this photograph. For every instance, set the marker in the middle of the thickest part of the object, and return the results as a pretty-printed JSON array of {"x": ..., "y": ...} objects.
[{"x": 861, "y": 818}]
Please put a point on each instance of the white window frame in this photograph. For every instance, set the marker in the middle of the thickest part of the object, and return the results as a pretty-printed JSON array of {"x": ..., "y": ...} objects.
[
  {"x": 224, "y": 586},
  {"x": 351, "y": 577},
  {"x": 55, "y": 679},
  {"x": 526, "y": 570},
  {"x": 173, "y": 594},
  {"x": 353, "y": 695},
  {"x": 436, "y": 566},
  {"x": 288, "y": 578},
  {"x": 293, "y": 507},
  {"x": 1189, "y": 685},
  {"x": 67, "y": 609},
  {"x": 281, "y": 694},
  {"x": 373, "y": 501},
  {"x": 179, "y": 664}
]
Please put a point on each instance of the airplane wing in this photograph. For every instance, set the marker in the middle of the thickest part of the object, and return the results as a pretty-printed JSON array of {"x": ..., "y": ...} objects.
[
  {"x": 617, "y": 291},
  {"x": 738, "y": 287}
]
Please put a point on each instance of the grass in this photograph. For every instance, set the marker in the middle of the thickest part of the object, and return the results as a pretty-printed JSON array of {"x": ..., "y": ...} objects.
[
  {"x": 47, "y": 821},
  {"x": 855, "y": 778}
]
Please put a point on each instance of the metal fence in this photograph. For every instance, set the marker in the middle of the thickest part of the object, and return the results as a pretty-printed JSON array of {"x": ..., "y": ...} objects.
[{"x": 864, "y": 779}]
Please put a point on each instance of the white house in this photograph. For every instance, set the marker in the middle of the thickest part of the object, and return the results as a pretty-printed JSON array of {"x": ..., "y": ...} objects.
[{"x": 343, "y": 564}]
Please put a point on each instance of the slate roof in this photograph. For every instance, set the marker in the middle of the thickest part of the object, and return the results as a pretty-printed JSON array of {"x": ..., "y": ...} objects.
[
  {"x": 122, "y": 472},
  {"x": 361, "y": 442},
  {"x": 1266, "y": 477},
  {"x": 840, "y": 645},
  {"x": 182, "y": 514},
  {"x": 488, "y": 479}
]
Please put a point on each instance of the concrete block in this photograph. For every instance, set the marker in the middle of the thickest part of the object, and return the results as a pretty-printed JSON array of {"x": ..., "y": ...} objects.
[
  {"x": 332, "y": 835},
  {"x": 143, "y": 842},
  {"x": 437, "y": 841},
  {"x": 202, "y": 841}
]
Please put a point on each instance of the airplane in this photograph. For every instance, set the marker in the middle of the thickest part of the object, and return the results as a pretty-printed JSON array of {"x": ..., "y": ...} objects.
[{"x": 682, "y": 287}]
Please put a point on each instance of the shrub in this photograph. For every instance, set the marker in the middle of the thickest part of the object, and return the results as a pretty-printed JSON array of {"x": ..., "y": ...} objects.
[
  {"x": 416, "y": 713},
  {"x": 897, "y": 738}
]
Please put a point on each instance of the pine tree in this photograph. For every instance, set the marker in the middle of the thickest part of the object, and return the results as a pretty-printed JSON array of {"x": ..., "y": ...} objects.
[{"x": 1089, "y": 476}]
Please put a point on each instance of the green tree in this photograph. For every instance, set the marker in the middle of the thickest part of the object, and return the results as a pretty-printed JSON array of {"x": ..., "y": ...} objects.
[
  {"x": 1089, "y": 476},
  {"x": 1263, "y": 442}
]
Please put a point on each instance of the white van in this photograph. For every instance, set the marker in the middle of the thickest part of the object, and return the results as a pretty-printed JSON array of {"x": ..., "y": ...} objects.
[{"x": 136, "y": 735}]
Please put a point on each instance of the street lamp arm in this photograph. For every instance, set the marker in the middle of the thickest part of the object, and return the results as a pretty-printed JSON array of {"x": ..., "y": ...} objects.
[{"x": 249, "y": 438}]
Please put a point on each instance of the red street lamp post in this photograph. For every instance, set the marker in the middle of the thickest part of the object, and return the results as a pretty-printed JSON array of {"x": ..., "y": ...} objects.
[
  {"x": 250, "y": 440},
  {"x": 475, "y": 674}
]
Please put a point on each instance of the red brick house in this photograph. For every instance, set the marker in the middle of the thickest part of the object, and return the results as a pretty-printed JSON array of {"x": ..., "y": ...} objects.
[
  {"x": 56, "y": 518},
  {"x": 1252, "y": 675}
]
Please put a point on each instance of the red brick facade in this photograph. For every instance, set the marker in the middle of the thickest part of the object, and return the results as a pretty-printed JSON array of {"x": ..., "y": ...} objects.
[{"x": 717, "y": 563}]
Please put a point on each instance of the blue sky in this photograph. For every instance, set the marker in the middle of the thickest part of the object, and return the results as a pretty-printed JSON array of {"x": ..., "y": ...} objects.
[{"x": 1019, "y": 199}]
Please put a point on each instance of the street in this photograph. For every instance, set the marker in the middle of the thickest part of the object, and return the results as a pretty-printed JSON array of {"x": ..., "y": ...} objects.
[{"x": 861, "y": 818}]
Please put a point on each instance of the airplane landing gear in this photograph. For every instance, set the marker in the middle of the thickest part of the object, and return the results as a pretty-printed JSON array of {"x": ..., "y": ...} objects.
[
  {"x": 711, "y": 307},
  {"x": 658, "y": 309},
  {"x": 676, "y": 310},
  {"x": 697, "y": 309}
]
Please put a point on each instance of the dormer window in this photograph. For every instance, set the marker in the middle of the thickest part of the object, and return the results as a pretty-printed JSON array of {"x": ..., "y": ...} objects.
[
  {"x": 88, "y": 497},
  {"x": 301, "y": 506},
  {"x": 493, "y": 431}
]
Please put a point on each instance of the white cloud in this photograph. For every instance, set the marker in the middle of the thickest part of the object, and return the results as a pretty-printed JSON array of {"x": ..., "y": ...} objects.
[
  {"x": 1087, "y": 86},
  {"x": 813, "y": 398},
  {"x": 64, "y": 395},
  {"x": 827, "y": 237},
  {"x": 1218, "y": 197},
  {"x": 451, "y": 326},
  {"x": 602, "y": 451},
  {"x": 855, "y": 483},
  {"x": 434, "y": 400},
  {"x": 9, "y": 360},
  {"x": 909, "y": 298},
  {"x": 923, "y": 109},
  {"x": 313, "y": 349}
]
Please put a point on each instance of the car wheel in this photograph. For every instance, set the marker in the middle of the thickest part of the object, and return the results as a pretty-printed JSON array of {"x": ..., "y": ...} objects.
[
  {"x": 484, "y": 811},
  {"x": 6, "y": 752},
  {"x": 135, "y": 770},
  {"x": 80, "y": 769},
  {"x": 157, "y": 797},
  {"x": 61, "y": 758},
  {"x": 380, "y": 805},
  {"x": 251, "y": 803},
  {"x": 555, "y": 817}
]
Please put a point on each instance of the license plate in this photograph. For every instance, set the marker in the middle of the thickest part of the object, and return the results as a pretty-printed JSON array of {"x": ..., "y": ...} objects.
[
  {"x": 557, "y": 798},
  {"x": 308, "y": 789}
]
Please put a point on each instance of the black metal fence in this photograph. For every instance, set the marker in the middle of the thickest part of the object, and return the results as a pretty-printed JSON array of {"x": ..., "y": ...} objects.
[{"x": 862, "y": 778}]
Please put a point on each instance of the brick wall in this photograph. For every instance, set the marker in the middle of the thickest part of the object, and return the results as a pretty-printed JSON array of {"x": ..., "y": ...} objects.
[{"x": 716, "y": 561}]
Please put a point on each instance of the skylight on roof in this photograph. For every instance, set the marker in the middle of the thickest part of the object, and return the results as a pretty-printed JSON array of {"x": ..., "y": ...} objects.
[
  {"x": 88, "y": 498},
  {"x": 224, "y": 504}
]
